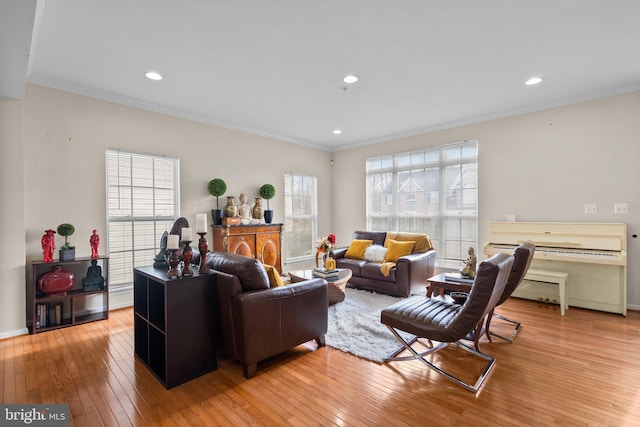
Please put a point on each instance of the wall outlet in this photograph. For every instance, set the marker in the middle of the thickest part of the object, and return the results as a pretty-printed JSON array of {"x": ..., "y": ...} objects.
[
  {"x": 620, "y": 208},
  {"x": 590, "y": 209}
]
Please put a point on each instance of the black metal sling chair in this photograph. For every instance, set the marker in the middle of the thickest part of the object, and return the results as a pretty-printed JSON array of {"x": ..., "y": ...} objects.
[{"x": 436, "y": 320}]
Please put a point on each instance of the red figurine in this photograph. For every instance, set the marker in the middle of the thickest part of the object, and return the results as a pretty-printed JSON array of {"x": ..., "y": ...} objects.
[
  {"x": 94, "y": 241},
  {"x": 48, "y": 243}
]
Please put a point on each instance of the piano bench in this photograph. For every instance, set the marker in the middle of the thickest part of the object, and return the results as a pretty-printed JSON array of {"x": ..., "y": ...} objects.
[{"x": 557, "y": 277}]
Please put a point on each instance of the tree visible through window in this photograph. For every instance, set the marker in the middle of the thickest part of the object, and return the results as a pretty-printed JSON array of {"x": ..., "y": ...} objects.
[
  {"x": 300, "y": 205},
  {"x": 142, "y": 203},
  {"x": 433, "y": 191}
]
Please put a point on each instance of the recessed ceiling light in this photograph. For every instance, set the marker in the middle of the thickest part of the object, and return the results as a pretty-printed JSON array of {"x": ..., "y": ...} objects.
[
  {"x": 152, "y": 75},
  {"x": 337, "y": 131},
  {"x": 533, "y": 81},
  {"x": 350, "y": 78}
]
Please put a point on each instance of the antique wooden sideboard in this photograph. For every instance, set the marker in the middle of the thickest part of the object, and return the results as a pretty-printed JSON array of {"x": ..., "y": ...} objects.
[{"x": 261, "y": 241}]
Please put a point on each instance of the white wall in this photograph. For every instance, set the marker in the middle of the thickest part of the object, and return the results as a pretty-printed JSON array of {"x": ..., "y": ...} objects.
[
  {"x": 12, "y": 265},
  {"x": 542, "y": 166}
]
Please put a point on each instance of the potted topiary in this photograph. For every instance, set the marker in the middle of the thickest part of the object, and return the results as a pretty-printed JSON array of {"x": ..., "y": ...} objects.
[
  {"x": 217, "y": 187},
  {"x": 267, "y": 191},
  {"x": 66, "y": 252}
]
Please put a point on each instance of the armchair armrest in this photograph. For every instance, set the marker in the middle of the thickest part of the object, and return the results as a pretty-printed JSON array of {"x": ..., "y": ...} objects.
[{"x": 267, "y": 322}]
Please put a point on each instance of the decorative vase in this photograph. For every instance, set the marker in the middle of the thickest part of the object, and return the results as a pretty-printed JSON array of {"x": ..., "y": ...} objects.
[
  {"x": 257, "y": 209},
  {"x": 216, "y": 214},
  {"x": 56, "y": 282},
  {"x": 231, "y": 210},
  {"x": 329, "y": 263},
  {"x": 268, "y": 216}
]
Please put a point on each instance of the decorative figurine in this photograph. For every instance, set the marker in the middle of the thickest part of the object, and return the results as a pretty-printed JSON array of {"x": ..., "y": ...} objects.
[
  {"x": 94, "y": 280},
  {"x": 160, "y": 260},
  {"x": 48, "y": 243},
  {"x": 244, "y": 210},
  {"x": 94, "y": 241},
  {"x": 469, "y": 270}
]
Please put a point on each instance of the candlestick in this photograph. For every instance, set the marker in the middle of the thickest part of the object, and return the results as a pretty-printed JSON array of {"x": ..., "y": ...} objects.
[
  {"x": 173, "y": 263},
  {"x": 203, "y": 247},
  {"x": 201, "y": 223},
  {"x": 186, "y": 234},
  {"x": 187, "y": 254},
  {"x": 172, "y": 241}
]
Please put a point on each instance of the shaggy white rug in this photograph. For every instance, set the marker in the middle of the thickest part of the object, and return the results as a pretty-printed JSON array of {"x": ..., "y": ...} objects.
[{"x": 354, "y": 325}]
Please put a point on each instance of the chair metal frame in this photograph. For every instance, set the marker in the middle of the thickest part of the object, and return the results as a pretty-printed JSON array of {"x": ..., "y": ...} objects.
[{"x": 420, "y": 356}]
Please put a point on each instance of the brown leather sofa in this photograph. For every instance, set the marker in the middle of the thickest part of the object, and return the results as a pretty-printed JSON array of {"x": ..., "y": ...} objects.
[
  {"x": 257, "y": 321},
  {"x": 408, "y": 276}
]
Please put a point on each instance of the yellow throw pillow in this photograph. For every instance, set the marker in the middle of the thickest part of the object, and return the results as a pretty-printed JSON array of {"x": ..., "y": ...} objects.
[
  {"x": 397, "y": 249},
  {"x": 274, "y": 277},
  {"x": 356, "y": 248}
]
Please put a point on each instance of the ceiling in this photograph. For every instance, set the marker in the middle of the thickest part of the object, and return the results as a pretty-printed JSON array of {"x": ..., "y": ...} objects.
[{"x": 275, "y": 68}]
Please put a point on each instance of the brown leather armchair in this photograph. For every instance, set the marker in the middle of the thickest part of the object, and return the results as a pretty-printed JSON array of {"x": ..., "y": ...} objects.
[{"x": 257, "y": 321}]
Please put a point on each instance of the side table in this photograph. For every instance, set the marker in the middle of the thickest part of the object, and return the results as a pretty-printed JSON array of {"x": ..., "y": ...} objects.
[{"x": 335, "y": 288}]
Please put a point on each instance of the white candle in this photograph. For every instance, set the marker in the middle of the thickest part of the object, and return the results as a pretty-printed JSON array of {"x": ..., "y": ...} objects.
[
  {"x": 172, "y": 241},
  {"x": 187, "y": 234},
  {"x": 201, "y": 223}
]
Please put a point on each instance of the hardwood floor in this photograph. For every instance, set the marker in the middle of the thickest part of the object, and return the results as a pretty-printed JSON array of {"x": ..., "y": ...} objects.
[{"x": 577, "y": 370}]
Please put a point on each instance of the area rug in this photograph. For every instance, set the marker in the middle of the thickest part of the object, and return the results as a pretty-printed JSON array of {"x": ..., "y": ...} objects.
[{"x": 354, "y": 326}]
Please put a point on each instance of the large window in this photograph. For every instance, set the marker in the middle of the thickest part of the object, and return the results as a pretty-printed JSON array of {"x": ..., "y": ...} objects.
[
  {"x": 300, "y": 228},
  {"x": 433, "y": 191},
  {"x": 142, "y": 202}
]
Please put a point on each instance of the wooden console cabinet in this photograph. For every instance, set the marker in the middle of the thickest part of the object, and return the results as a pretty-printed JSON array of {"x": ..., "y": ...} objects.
[
  {"x": 175, "y": 324},
  {"x": 260, "y": 241}
]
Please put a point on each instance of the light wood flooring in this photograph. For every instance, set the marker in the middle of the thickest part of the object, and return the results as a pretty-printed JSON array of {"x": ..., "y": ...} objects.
[{"x": 577, "y": 370}]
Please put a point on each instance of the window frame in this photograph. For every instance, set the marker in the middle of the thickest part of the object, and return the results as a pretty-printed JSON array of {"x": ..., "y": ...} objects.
[
  {"x": 121, "y": 280},
  {"x": 385, "y": 173},
  {"x": 289, "y": 217}
]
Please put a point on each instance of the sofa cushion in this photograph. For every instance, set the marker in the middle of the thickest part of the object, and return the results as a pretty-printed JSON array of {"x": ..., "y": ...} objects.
[
  {"x": 250, "y": 271},
  {"x": 357, "y": 248},
  {"x": 423, "y": 242},
  {"x": 274, "y": 277},
  {"x": 396, "y": 249},
  {"x": 372, "y": 271},
  {"x": 375, "y": 253},
  {"x": 355, "y": 265},
  {"x": 378, "y": 237}
]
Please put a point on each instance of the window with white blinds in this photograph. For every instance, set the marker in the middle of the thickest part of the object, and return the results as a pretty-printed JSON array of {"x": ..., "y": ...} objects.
[
  {"x": 432, "y": 191},
  {"x": 142, "y": 203},
  {"x": 301, "y": 218}
]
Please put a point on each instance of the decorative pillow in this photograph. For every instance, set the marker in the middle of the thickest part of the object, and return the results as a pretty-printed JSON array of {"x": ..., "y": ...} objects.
[
  {"x": 274, "y": 277},
  {"x": 375, "y": 253},
  {"x": 397, "y": 249},
  {"x": 356, "y": 248}
]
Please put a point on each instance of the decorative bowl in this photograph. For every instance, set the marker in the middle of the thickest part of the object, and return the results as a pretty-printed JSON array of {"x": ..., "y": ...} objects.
[{"x": 459, "y": 297}]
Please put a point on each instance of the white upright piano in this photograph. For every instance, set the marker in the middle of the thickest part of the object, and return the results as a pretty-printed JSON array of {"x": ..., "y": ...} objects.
[{"x": 593, "y": 254}]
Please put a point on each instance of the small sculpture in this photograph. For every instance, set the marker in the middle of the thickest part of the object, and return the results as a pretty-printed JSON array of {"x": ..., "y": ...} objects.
[
  {"x": 94, "y": 280},
  {"x": 94, "y": 241},
  {"x": 244, "y": 210},
  {"x": 469, "y": 270},
  {"x": 48, "y": 243},
  {"x": 160, "y": 260}
]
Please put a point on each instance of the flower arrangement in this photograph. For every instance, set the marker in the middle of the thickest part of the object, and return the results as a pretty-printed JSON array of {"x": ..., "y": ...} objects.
[{"x": 325, "y": 244}]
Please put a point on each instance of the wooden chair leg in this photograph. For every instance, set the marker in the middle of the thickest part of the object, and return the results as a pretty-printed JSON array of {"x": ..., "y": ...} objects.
[{"x": 249, "y": 370}]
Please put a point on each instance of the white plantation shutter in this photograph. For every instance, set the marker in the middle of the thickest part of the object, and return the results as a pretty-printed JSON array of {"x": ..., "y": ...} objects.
[
  {"x": 301, "y": 217},
  {"x": 432, "y": 191},
  {"x": 142, "y": 203}
]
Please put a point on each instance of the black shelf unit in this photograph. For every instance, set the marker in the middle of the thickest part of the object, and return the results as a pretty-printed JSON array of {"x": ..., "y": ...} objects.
[
  {"x": 175, "y": 323},
  {"x": 74, "y": 303}
]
